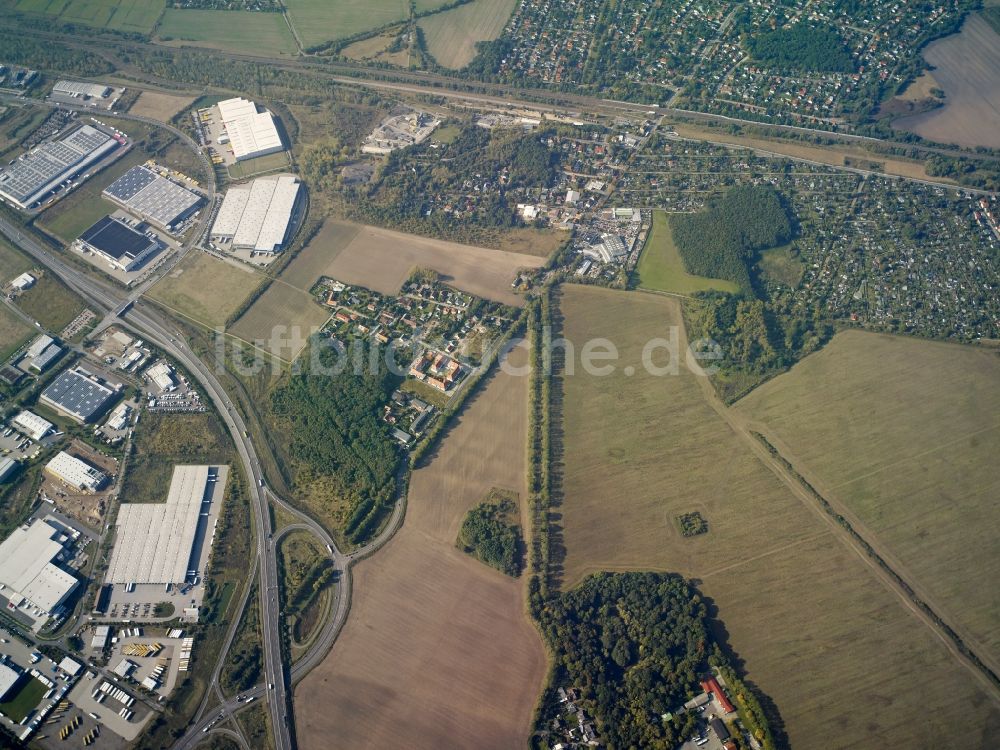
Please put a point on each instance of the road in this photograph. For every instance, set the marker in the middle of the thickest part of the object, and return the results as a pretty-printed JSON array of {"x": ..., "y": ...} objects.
[{"x": 148, "y": 324}]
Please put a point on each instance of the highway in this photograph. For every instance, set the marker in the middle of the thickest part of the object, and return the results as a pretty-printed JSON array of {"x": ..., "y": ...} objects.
[{"x": 147, "y": 323}]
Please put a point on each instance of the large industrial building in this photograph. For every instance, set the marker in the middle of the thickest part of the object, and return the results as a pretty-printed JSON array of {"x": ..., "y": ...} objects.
[
  {"x": 77, "y": 89},
  {"x": 155, "y": 542},
  {"x": 257, "y": 216},
  {"x": 31, "y": 425},
  {"x": 152, "y": 197},
  {"x": 251, "y": 133},
  {"x": 120, "y": 245},
  {"x": 40, "y": 171},
  {"x": 76, "y": 473},
  {"x": 79, "y": 394},
  {"x": 34, "y": 584}
]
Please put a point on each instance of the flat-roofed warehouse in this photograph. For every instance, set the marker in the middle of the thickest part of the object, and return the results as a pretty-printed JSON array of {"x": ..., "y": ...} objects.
[
  {"x": 257, "y": 216},
  {"x": 31, "y": 425},
  {"x": 78, "y": 89},
  {"x": 28, "y": 570},
  {"x": 40, "y": 171},
  {"x": 76, "y": 473},
  {"x": 251, "y": 133},
  {"x": 152, "y": 197},
  {"x": 79, "y": 394},
  {"x": 118, "y": 243},
  {"x": 155, "y": 542}
]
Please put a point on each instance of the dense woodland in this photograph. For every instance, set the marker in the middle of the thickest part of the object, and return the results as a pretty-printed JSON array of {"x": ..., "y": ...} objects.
[
  {"x": 722, "y": 241},
  {"x": 491, "y": 534},
  {"x": 803, "y": 48},
  {"x": 333, "y": 430},
  {"x": 635, "y": 645}
]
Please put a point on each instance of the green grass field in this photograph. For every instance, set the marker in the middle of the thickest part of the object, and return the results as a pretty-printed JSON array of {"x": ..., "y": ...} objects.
[
  {"x": 234, "y": 31},
  {"x": 846, "y": 663},
  {"x": 318, "y": 21},
  {"x": 661, "y": 268},
  {"x": 13, "y": 332},
  {"x": 121, "y": 15},
  {"x": 51, "y": 303},
  {"x": 28, "y": 696},
  {"x": 206, "y": 289},
  {"x": 12, "y": 261},
  {"x": 73, "y": 215},
  {"x": 451, "y": 36},
  {"x": 779, "y": 265},
  {"x": 241, "y": 170},
  {"x": 905, "y": 434}
]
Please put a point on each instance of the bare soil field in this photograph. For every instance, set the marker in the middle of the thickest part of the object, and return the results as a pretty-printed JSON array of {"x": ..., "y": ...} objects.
[
  {"x": 452, "y": 35},
  {"x": 160, "y": 106},
  {"x": 845, "y": 661},
  {"x": 438, "y": 650},
  {"x": 381, "y": 259},
  {"x": 832, "y": 155},
  {"x": 905, "y": 436},
  {"x": 206, "y": 289},
  {"x": 967, "y": 67}
]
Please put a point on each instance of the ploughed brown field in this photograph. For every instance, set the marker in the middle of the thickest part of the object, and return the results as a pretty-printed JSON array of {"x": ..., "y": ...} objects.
[
  {"x": 439, "y": 650},
  {"x": 381, "y": 259},
  {"x": 967, "y": 68},
  {"x": 846, "y": 660}
]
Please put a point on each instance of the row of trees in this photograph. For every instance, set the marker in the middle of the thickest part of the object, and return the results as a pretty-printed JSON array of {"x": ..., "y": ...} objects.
[{"x": 722, "y": 241}]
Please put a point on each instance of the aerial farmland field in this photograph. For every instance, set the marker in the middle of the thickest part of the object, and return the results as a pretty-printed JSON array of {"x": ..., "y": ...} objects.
[
  {"x": 382, "y": 259},
  {"x": 439, "y": 650},
  {"x": 905, "y": 436},
  {"x": 234, "y": 31},
  {"x": 206, "y": 289},
  {"x": 451, "y": 35},
  {"x": 847, "y": 663},
  {"x": 318, "y": 21},
  {"x": 121, "y": 15}
]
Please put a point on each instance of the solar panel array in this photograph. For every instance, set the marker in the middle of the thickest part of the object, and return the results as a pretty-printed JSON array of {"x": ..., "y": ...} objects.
[
  {"x": 33, "y": 175},
  {"x": 152, "y": 197}
]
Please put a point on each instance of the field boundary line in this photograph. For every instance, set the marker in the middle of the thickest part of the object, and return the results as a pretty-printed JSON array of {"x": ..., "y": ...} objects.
[
  {"x": 769, "y": 553},
  {"x": 915, "y": 456}
]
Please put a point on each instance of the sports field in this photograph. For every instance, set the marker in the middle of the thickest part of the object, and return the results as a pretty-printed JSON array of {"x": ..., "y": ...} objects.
[
  {"x": 382, "y": 259},
  {"x": 230, "y": 30},
  {"x": 205, "y": 289},
  {"x": 318, "y": 21},
  {"x": 438, "y": 650},
  {"x": 661, "y": 268},
  {"x": 121, "y": 15},
  {"x": 906, "y": 435},
  {"x": 451, "y": 36},
  {"x": 847, "y": 664}
]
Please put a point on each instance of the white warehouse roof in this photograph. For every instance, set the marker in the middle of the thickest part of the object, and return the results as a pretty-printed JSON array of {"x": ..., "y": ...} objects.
[
  {"x": 76, "y": 88},
  {"x": 32, "y": 425},
  {"x": 251, "y": 133},
  {"x": 75, "y": 472},
  {"x": 257, "y": 216},
  {"x": 155, "y": 540},
  {"x": 26, "y": 566}
]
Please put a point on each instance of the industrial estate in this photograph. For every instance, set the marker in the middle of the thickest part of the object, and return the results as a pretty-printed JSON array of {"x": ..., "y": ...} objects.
[{"x": 499, "y": 374}]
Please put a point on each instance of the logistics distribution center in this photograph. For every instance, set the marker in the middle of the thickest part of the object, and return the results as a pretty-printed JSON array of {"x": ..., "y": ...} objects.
[
  {"x": 152, "y": 197},
  {"x": 120, "y": 245},
  {"x": 77, "y": 474},
  {"x": 257, "y": 216},
  {"x": 79, "y": 394},
  {"x": 33, "y": 584},
  {"x": 80, "y": 90},
  {"x": 39, "y": 172},
  {"x": 251, "y": 133},
  {"x": 160, "y": 545}
]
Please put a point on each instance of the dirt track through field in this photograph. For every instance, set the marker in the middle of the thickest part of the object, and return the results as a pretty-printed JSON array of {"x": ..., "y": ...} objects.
[{"x": 438, "y": 651}]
